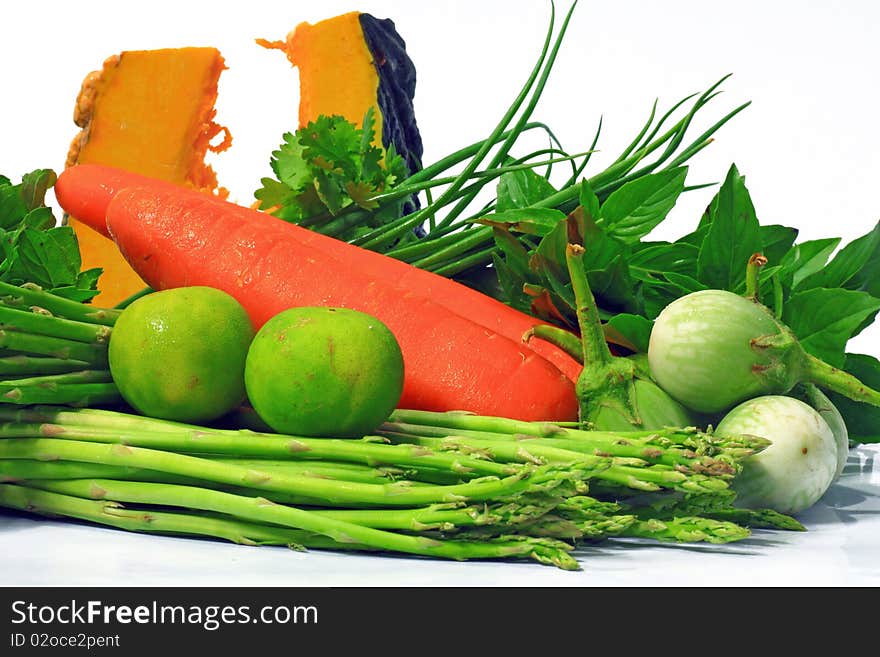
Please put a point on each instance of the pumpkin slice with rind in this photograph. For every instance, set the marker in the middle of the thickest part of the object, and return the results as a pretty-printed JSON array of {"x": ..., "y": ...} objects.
[
  {"x": 353, "y": 62},
  {"x": 150, "y": 112}
]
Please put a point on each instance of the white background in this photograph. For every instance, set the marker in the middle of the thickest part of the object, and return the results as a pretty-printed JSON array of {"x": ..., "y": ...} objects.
[{"x": 809, "y": 144}]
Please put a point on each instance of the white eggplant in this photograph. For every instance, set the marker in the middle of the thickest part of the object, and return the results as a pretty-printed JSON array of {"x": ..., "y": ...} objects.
[
  {"x": 818, "y": 400},
  {"x": 800, "y": 464}
]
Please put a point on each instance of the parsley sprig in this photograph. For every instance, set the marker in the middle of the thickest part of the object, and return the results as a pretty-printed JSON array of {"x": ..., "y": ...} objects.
[{"x": 330, "y": 165}]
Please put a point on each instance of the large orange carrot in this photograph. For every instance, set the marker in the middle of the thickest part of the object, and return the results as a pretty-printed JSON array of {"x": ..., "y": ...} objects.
[
  {"x": 175, "y": 238},
  {"x": 86, "y": 190}
]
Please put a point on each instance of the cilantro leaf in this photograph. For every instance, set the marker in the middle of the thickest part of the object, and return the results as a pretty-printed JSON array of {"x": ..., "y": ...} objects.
[{"x": 329, "y": 167}]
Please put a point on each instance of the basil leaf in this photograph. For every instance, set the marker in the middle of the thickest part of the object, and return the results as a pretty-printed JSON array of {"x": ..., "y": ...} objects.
[
  {"x": 12, "y": 206},
  {"x": 34, "y": 186},
  {"x": 75, "y": 293},
  {"x": 548, "y": 259},
  {"x": 636, "y": 208},
  {"x": 846, "y": 268},
  {"x": 589, "y": 201},
  {"x": 49, "y": 258},
  {"x": 660, "y": 258},
  {"x": 40, "y": 218},
  {"x": 613, "y": 287},
  {"x": 686, "y": 283},
  {"x": 867, "y": 278},
  {"x": 515, "y": 255},
  {"x": 601, "y": 248},
  {"x": 661, "y": 291},
  {"x": 531, "y": 221},
  {"x": 776, "y": 241},
  {"x": 510, "y": 285},
  {"x": 521, "y": 189},
  {"x": 825, "y": 319},
  {"x": 630, "y": 331},
  {"x": 806, "y": 258},
  {"x": 733, "y": 236},
  {"x": 862, "y": 420}
]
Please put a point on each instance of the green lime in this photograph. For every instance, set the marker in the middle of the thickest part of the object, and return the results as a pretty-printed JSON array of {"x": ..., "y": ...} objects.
[
  {"x": 324, "y": 372},
  {"x": 179, "y": 354}
]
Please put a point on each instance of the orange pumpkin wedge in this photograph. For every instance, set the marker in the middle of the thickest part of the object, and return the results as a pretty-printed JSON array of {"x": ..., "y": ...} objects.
[
  {"x": 336, "y": 70},
  {"x": 149, "y": 112}
]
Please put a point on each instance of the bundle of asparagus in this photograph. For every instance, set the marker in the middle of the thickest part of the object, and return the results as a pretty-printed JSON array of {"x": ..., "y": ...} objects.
[
  {"x": 435, "y": 484},
  {"x": 53, "y": 350}
]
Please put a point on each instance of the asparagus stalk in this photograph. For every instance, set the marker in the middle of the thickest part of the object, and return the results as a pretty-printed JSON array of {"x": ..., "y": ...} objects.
[
  {"x": 717, "y": 506},
  {"x": 13, "y": 470},
  {"x": 159, "y": 434},
  {"x": 112, "y": 514},
  {"x": 434, "y": 517},
  {"x": 329, "y": 491},
  {"x": 263, "y": 511},
  {"x": 75, "y": 394},
  {"x": 700, "y": 442},
  {"x": 757, "y": 518},
  {"x": 18, "y": 469},
  {"x": 24, "y": 365},
  {"x": 691, "y": 529},
  {"x": 48, "y": 325},
  {"x": 599, "y": 520},
  {"x": 410, "y": 451},
  {"x": 626, "y": 473},
  {"x": 653, "y": 447},
  {"x": 94, "y": 354},
  {"x": 330, "y": 470},
  {"x": 30, "y": 296},
  {"x": 50, "y": 380}
]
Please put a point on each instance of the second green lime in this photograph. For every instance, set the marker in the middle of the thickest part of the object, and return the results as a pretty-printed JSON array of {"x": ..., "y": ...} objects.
[{"x": 316, "y": 371}]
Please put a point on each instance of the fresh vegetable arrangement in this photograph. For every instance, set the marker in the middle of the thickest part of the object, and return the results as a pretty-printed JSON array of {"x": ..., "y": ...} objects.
[{"x": 379, "y": 358}]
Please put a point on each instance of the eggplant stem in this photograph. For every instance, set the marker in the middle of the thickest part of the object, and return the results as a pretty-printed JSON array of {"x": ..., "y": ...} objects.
[
  {"x": 830, "y": 377},
  {"x": 777, "y": 297},
  {"x": 753, "y": 269},
  {"x": 595, "y": 348},
  {"x": 565, "y": 340}
]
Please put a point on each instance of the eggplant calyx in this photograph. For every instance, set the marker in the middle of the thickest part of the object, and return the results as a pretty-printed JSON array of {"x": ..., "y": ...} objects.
[
  {"x": 608, "y": 386},
  {"x": 780, "y": 363}
]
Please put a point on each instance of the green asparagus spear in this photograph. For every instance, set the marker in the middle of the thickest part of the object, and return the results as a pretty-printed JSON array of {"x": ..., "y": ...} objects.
[
  {"x": 640, "y": 478},
  {"x": 24, "y": 321},
  {"x": 330, "y": 491},
  {"x": 262, "y": 511},
  {"x": 29, "y": 296},
  {"x": 42, "y": 345},
  {"x": 162, "y": 522},
  {"x": 74, "y": 394},
  {"x": 23, "y": 365},
  {"x": 200, "y": 440}
]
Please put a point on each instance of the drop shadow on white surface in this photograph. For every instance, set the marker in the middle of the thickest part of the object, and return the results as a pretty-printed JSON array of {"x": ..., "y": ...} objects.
[
  {"x": 852, "y": 498},
  {"x": 16, "y": 521},
  {"x": 755, "y": 545},
  {"x": 859, "y": 461}
]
